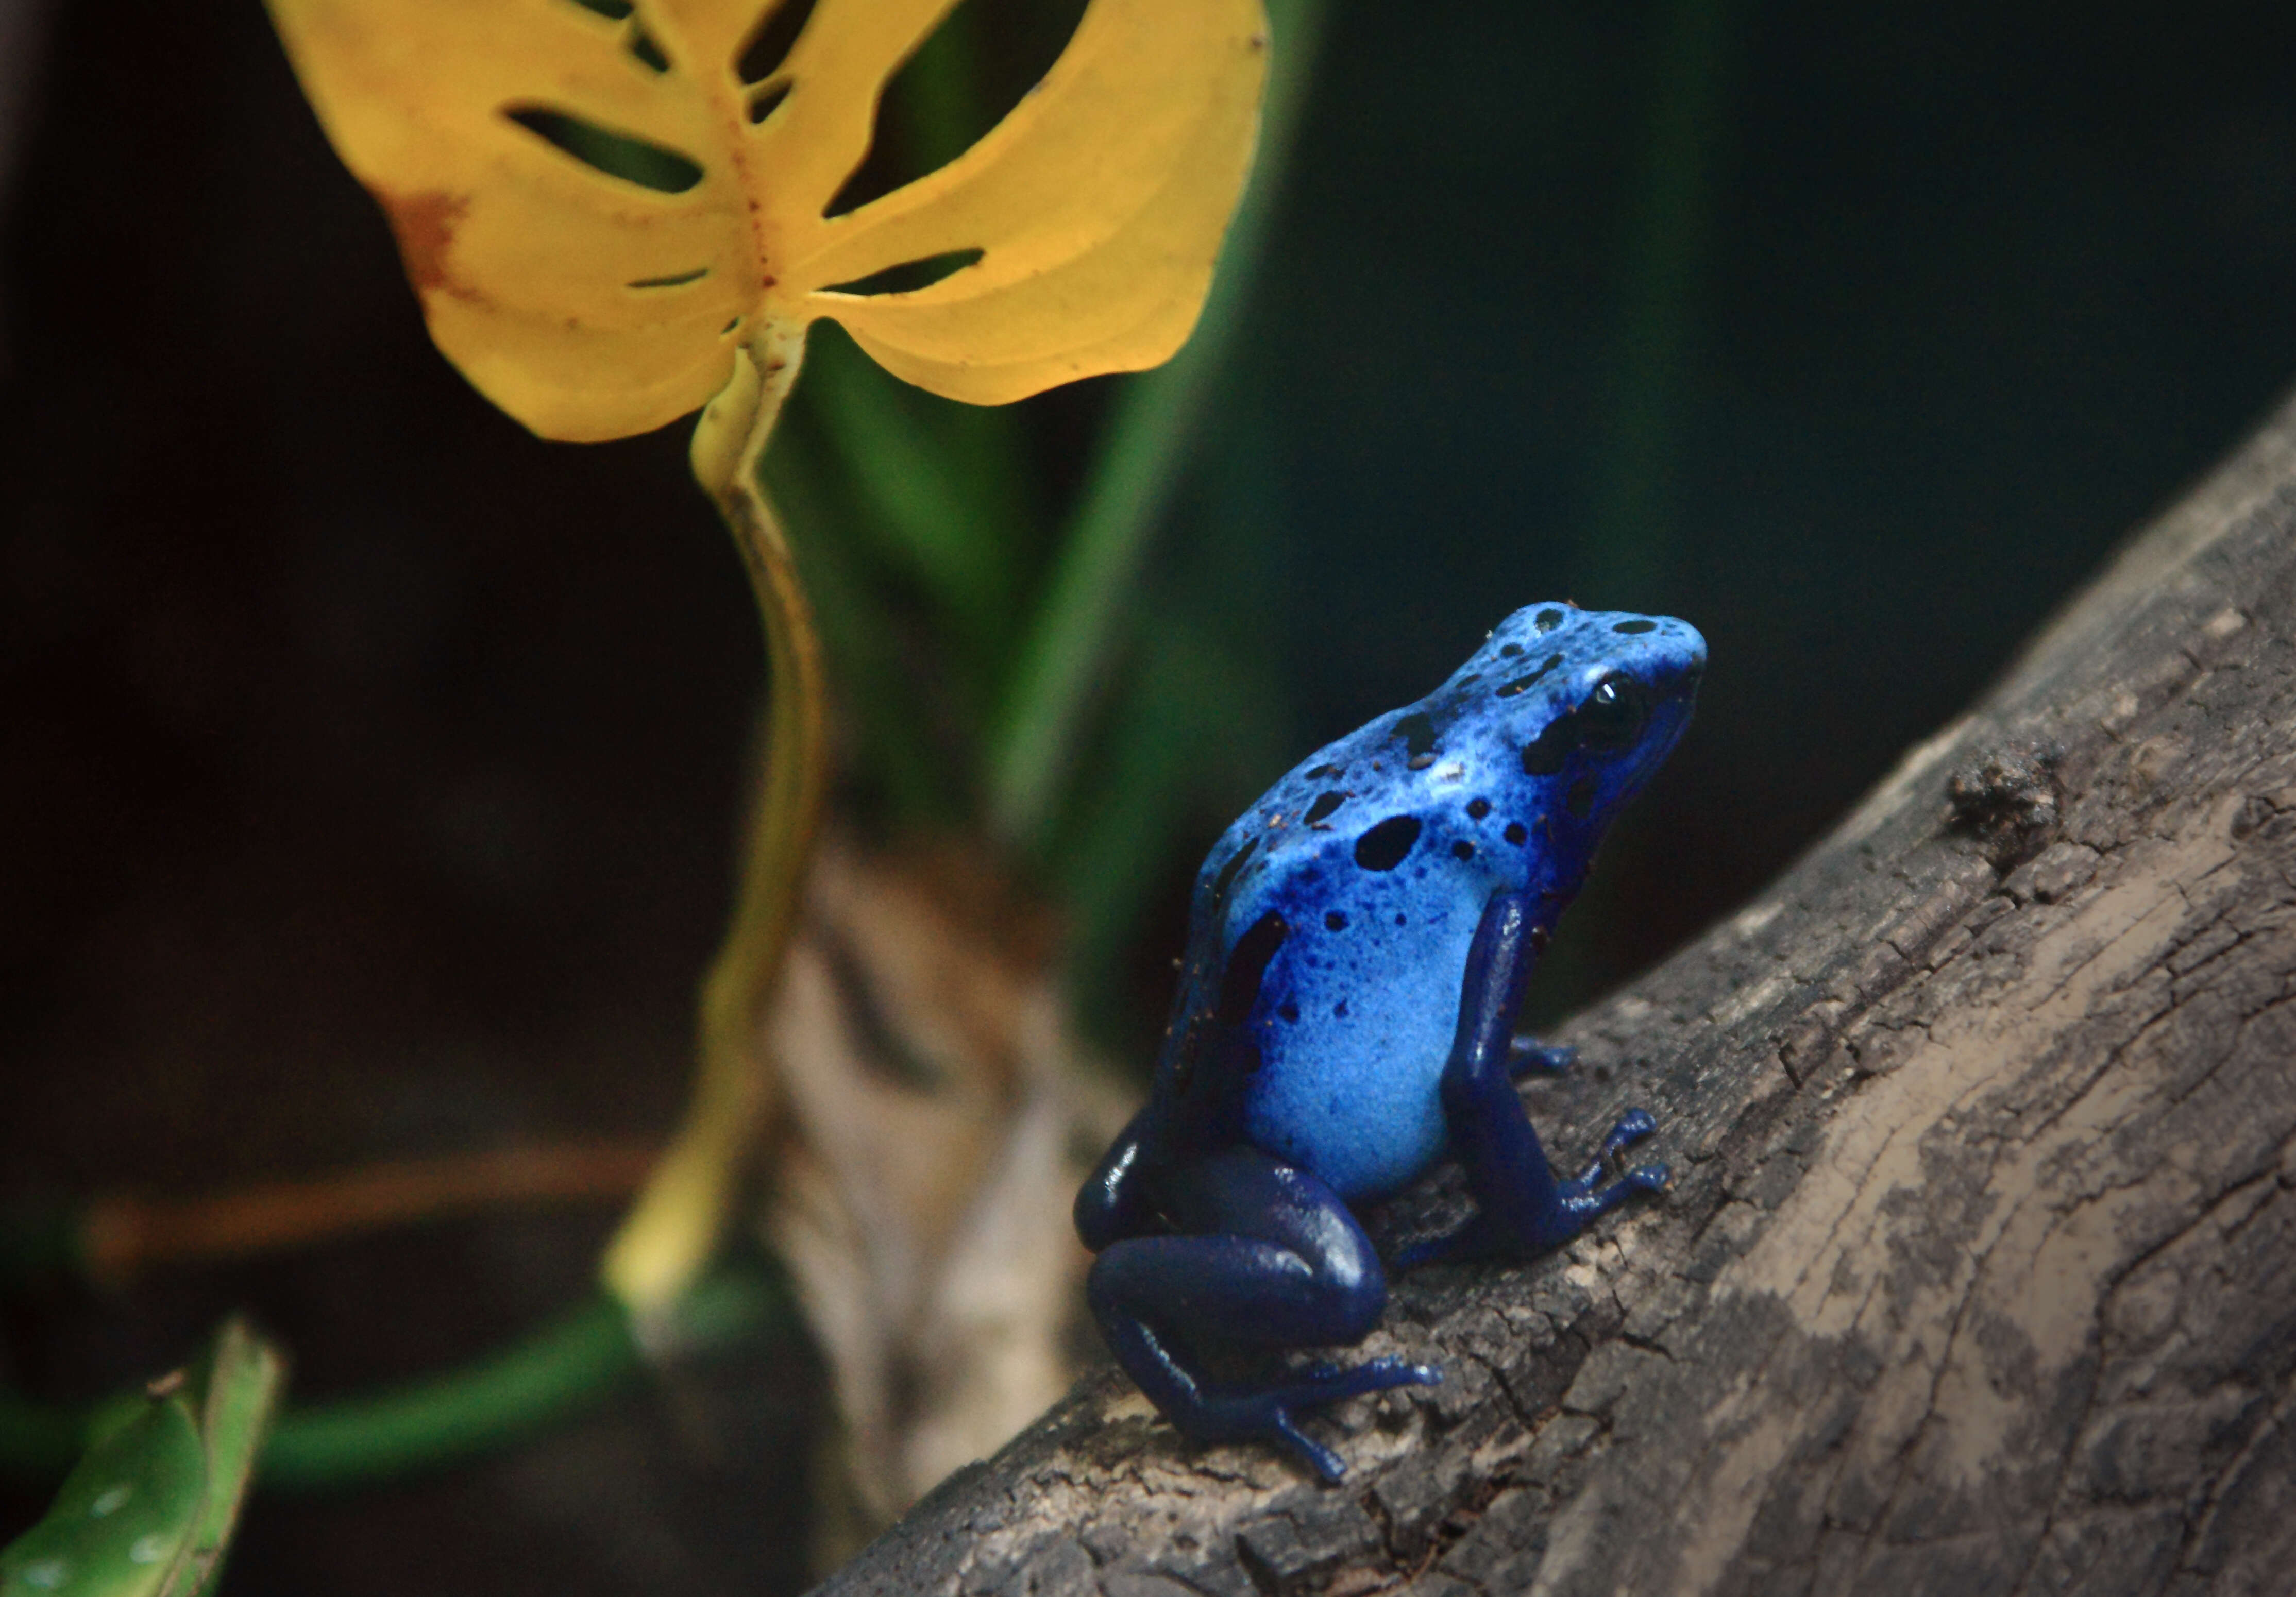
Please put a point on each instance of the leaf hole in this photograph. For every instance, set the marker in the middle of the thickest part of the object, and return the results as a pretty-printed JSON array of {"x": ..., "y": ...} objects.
[
  {"x": 767, "y": 101},
  {"x": 775, "y": 36},
  {"x": 618, "y": 155},
  {"x": 641, "y": 44},
  {"x": 910, "y": 275},
  {"x": 978, "y": 65}
]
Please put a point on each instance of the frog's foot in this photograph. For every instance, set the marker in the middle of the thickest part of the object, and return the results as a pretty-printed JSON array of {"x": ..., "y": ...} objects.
[
  {"x": 1548, "y": 1225},
  {"x": 1260, "y": 1254},
  {"x": 1585, "y": 1198},
  {"x": 1633, "y": 1126},
  {"x": 1480, "y": 1237},
  {"x": 1492, "y": 1233},
  {"x": 1269, "y": 1415},
  {"x": 1527, "y": 1054}
]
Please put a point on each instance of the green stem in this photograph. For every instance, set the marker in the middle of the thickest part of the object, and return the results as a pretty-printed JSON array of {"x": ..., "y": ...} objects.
[
  {"x": 579, "y": 1359},
  {"x": 571, "y": 1364},
  {"x": 1130, "y": 482}
]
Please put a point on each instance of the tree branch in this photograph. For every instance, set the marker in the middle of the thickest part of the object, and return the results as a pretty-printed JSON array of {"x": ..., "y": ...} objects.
[{"x": 1979, "y": 1274}]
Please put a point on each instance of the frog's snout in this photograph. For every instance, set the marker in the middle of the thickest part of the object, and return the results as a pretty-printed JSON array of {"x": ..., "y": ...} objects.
[{"x": 1685, "y": 659}]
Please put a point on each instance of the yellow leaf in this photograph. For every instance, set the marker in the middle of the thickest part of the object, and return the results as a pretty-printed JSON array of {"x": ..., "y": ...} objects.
[{"x": 590, "y": 305}]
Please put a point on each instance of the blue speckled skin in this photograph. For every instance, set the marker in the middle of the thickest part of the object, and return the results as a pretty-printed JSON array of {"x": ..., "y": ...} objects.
[{"x": 1358, "y": 949}]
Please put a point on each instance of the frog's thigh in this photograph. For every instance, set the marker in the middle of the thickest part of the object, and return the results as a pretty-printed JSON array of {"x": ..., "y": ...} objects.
[
  {"x": 1268, "y": 1254},
  {"x": 1112, "y": 1202}
]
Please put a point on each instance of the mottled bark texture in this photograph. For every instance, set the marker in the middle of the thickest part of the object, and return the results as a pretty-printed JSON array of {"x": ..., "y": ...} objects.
[{"x": 1979, "y": 1272}]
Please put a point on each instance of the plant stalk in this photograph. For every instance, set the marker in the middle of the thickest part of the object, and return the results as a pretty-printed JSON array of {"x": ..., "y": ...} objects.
[{"x": 675, "y": 1225}]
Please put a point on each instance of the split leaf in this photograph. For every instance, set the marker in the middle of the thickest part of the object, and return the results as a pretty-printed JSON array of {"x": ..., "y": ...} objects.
[{"x": 600, "y": 201}]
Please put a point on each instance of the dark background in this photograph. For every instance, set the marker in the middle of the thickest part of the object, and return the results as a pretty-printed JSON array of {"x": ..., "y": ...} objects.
[{"x": 367, "y": 767}]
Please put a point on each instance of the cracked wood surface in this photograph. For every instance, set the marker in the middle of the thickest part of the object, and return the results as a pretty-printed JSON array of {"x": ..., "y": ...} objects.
[{"x": 1978, "y": 1273}]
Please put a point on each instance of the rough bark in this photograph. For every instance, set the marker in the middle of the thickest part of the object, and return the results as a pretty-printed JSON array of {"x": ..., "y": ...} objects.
[{"x": 1979, "y": 1272}]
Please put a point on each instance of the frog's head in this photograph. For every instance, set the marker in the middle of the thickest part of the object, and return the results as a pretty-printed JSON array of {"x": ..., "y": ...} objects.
[
  {"x": 1506, "y": 773},
  {"x": 1603, "y": 695}
]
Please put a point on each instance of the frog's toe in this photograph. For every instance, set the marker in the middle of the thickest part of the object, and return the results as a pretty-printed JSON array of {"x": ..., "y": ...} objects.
[
  {"x": 1283, "y": 1432},
  {"x": 1467, "y": 1241},
  {"x": 1633, "y": 1126},
  {"x": 1527, "y": 1054},
  {"x": 1321, "y": 1384},
  {"x": 1426, "y": 1250},
  {"x": 1648, "y": 1178},
  {"x": 1585, "y": 1198},
  {"x": 1269, "y": 1415}
]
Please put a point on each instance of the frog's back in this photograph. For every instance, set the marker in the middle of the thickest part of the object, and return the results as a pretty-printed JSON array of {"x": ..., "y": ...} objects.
[
  {"x": 1331, "y": 923},
  {"x": 1352, "y": 1047}
]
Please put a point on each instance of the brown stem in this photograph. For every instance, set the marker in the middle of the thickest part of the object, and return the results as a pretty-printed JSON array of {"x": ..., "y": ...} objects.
[{"x": 125, "y": 1234}]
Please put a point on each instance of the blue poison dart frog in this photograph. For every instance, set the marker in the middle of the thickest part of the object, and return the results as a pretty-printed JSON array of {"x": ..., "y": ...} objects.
[{"x": 1358, "y": 949}]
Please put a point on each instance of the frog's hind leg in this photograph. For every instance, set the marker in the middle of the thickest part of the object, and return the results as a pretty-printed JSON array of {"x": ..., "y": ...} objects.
[{"x": 1268, "y": 1255}]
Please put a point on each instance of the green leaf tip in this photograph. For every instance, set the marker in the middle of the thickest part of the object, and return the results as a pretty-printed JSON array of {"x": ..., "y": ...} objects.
[{"x": 151, "y": 1507}]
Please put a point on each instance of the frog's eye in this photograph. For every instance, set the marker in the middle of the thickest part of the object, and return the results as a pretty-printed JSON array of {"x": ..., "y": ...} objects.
[
  {"x": 1608, "y": 721},
  {"x": 1614, "y": 713}
]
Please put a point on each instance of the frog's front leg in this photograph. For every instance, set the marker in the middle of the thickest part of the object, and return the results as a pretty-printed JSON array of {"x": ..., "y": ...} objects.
[
  {"x": 1523, "y": 1210},
  {"x": 1265, "y": 1256}
]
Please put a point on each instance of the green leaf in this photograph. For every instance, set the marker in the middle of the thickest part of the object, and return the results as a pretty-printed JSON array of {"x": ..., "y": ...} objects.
[{"x": 151, "y": 1507}]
